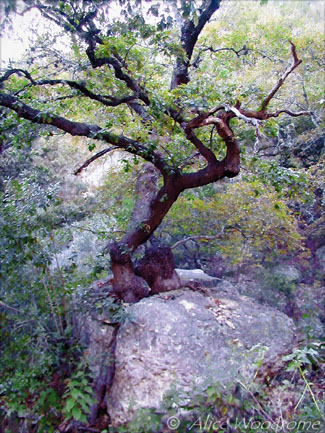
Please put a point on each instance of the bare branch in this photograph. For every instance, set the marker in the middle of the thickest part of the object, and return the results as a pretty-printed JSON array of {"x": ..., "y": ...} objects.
[
  {"x": 211, "y": 237},
  {"x": 197, "y": 237},
  {"x": 109, "y": 101},
  {"x": 290, "y": 113},
  {"x": 93, "y": 158},
  {"x": 204, "y": 151},
  {"x": 241, "y": 116},
  {"x": 8, "y": 307},
  {"x": 106, "y": 100},
  {"x": 201, "y": 119},
  {"x": 231, "y": 163},
  {"x": 8, "y": 74},
  {"x": 59, "y": 98},
  {"x": 295, "y": 64},
  {"x": 188, "y": 160},
  {"x": 241, "y": 52}
]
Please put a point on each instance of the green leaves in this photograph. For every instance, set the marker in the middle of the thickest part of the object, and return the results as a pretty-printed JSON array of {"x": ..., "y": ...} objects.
[
  {"x": 248, "y": 220},
  {"x": 313, "y": 354},
  {"x": 287, "y": 182},
  {"x": 78, "y": 397},
  {"x": 69, "y": 404}
]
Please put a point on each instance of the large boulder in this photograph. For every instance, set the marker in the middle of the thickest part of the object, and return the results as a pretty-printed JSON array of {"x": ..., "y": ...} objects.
[
  {"x": 96, "y": 335},
  {"x": 189, "y": 276},
  {"x": 189, "y": 340}
]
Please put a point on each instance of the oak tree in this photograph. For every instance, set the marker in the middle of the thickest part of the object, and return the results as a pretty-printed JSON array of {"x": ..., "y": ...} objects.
[{"x": 127, "y": 82}]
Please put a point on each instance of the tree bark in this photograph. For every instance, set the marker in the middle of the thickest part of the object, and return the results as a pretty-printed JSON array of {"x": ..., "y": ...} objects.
[
  {"x": 189, "y": 36},
  {"x": 126, "y": 284},
  {"x": 157, "y": 267},
  {"x": 145, "y": 190}
]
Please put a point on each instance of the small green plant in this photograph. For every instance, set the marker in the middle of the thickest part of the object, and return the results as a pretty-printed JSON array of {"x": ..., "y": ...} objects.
[
  {"x": 277, "y": 282},
  {"x": 78, "y": 397},
  {"x": 48, "y": 405},
  {"x": 300, "y": 359}
]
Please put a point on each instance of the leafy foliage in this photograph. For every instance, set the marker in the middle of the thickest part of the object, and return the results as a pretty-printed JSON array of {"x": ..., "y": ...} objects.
[
  {"x": 78, "y": 397},
  {"x": 246, "y": 222}
]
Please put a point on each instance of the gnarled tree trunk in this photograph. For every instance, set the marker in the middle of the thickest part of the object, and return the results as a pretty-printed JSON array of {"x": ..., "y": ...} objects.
[
  {"x": 128, "y": 286},
  {"x": 156, "y": 271},
  {"x": 157, "y": 267}
]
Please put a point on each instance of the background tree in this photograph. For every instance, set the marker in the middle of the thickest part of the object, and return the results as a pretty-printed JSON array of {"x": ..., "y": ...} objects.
[{"x": 137, "y": 76}]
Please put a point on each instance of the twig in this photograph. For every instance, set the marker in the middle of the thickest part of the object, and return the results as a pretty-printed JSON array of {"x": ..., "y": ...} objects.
[
  {"x": 198, "y": 237},
  {"x": 290, "y": 113},
  {"x": 209, "y": 238},
  {"x": 187, "y": 160},
  {"x": 93, "y": 158},
  {"x": 101, "y": 232},
  {"x": 211, "y": 135},
  {"x": 310, "y": 390},
  {"x": 301, "y": 397},
  {"x": 61, "y": 280},
  {"x": 19, "y": 325},
  {"x": 242, "y": 51},
  {"x": 55, "y": 298},
  {"x": 256, "y": 401},
  {"x": 2, "y": 304}
]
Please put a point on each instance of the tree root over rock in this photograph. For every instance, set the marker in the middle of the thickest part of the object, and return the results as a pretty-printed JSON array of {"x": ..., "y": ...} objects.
[{"x": 104, "y": 381}]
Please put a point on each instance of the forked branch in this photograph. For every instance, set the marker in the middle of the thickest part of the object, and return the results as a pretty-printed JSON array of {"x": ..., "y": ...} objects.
[{"x": 249, "y": 116}]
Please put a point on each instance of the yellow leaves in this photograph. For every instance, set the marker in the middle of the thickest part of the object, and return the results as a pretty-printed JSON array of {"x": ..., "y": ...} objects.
[{"x": 252, "y": 222}]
